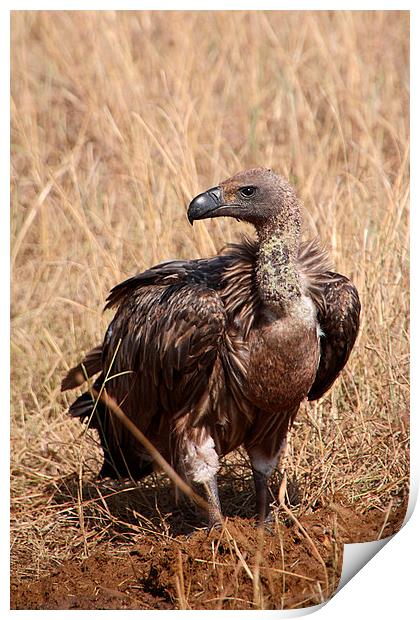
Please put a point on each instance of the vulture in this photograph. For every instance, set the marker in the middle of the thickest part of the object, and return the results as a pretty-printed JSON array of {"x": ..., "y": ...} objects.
[{"x": 208, "y": 355}]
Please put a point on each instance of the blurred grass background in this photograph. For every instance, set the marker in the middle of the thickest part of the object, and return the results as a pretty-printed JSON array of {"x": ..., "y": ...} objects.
[{"x": 118, "y": 119}]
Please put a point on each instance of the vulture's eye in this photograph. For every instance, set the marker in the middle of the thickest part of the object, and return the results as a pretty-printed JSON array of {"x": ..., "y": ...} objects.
[{"x": 247, "y": 192}]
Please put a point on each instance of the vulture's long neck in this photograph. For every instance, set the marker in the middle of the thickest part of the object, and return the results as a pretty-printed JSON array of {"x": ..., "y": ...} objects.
[{"x": 276, "y": 266}]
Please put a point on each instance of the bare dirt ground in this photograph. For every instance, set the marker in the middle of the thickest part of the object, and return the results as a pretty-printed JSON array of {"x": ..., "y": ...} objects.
[
  {"x": 296, "y": 564},
  {"x": 118, "y": 119},
  {"x": 211, "y": 571}
]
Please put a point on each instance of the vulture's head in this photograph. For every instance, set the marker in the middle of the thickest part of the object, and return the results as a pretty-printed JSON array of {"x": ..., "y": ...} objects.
[{"x": 258, "y": 196}]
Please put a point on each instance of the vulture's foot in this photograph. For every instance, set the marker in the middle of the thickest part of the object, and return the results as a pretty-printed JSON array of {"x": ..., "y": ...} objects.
[
  {"x": 214, "y": 527},
  {"x": 268, "y": 522}
]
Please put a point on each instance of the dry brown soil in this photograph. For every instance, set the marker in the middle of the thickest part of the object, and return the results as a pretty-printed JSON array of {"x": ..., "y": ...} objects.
[{"x": 299, "y": 563}]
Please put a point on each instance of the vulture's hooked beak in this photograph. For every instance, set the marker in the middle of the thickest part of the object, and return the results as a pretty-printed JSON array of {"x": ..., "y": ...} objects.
[{"x": 205, "y": 204}]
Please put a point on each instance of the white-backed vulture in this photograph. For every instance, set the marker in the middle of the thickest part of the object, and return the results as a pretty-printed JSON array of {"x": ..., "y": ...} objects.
[{"x": 211, "y": 354}]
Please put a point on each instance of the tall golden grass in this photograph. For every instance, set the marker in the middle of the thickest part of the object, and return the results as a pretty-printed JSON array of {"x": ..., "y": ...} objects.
[{"x": 118, "y": 119}]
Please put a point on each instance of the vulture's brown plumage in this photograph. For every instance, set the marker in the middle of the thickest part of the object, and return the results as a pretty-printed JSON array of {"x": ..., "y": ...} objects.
[{"x": 208, "y": 355}]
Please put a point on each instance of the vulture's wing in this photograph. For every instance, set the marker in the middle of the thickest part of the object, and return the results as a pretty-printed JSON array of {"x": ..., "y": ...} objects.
[
  {"x": 175, "y": 271},
  {"x": 166, "y": 349},
  {"x": 339, "y": 320}
]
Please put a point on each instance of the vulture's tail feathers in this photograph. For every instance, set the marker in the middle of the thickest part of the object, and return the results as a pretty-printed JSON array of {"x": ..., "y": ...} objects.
[
  {"x": 90, "y": 365},
  {"x": 96, "y": 415},
  {"x": 116, "y": 463},
  {"x": 83, "y": 407},
  {"x": 87, "y": 408}
]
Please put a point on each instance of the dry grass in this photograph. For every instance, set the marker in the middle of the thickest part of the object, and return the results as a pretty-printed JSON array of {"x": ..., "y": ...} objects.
[{"x": 118, "y": 119}]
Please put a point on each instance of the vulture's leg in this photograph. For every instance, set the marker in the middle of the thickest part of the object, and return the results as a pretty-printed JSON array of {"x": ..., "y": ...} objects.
[
  {"x": 263, "y": 463},
  {"x": 261, "y": 471},
  {"x": 266, "y": 445},
  {"x": 261, "y": 493},
  {"x": 201, "y": 463},
  {"x": 212, "y": 496}
]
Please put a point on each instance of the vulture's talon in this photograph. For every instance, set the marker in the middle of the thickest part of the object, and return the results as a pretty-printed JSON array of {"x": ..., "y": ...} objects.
[
  {"x": 214, "y": 527},
  {"x": 269, "y": 527}
]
